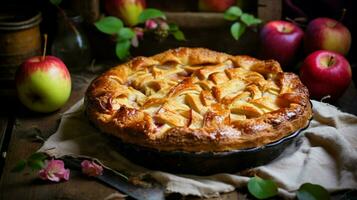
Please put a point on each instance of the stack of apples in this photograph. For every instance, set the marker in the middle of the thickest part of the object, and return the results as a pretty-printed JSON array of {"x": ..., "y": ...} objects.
[{"x": 325, "y": 71}]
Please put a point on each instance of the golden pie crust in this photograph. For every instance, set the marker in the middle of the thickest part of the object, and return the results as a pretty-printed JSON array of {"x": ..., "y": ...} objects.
[{"x": 198, "y": 100}]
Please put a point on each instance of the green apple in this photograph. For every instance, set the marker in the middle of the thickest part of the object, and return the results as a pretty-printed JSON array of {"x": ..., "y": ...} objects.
[{"x": 43, "y": 83}]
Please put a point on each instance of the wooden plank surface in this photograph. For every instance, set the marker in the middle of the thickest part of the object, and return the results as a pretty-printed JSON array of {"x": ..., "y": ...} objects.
[
  {"x": 23, "y": 143},
  {"x": 269, "y": 10}
]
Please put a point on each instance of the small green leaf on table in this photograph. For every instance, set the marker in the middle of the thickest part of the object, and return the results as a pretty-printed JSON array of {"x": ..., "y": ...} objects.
[
  {"x": 249, "y": 19},
  {"x": 19, "y": 166},
  {"x": 125, "y": 34},
  {"x": 109, "y": 25},
  {"x": 262, "y": 189},
  {"x": 35, "y": 161},
  {"x": 38, "y": 156},
  {"x": 36, "y": 164},
  {"x": 308, "y": 191},
  {"x": 150, "y": 13},
  {"x": 232, "y": 13},
  {"x": 237, "y": 29},
  {"x": 122, "y": 49}
]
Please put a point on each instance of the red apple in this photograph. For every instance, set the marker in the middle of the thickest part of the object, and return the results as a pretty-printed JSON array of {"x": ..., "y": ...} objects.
[
  {"x": 127, "y": 10},
  {"x": 280, "y": 40},
  {"x": 215, "y": 5},
  {"x": 327, "y": 34},
  {"x": 326, "y": 73},
  {"x": 43, "y": 83}
]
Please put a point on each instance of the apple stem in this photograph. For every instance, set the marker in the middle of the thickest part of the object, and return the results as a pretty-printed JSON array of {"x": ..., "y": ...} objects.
[
  {"x": 44, "y": 48},
  {"x": 283, "y": 29},
  {"x": 330, "y": 61}
]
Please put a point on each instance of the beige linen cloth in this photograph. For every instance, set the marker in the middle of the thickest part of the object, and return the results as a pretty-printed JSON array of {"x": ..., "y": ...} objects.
[{"x": 326, "y": 154}]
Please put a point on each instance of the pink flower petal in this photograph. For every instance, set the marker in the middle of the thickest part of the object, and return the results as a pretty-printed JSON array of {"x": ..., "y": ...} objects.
[
  {"x": 42, "y": 174},
  {"x": 150, "y": 24},
  {"x": 135, "y": 41},
  {"x": 91, "y": 168},
  {"x": 53, "y": 177},
  {"x": 66, "y": 175},
  {"x": 139, "y": 32},
  {"x": 54, "y": 171}
]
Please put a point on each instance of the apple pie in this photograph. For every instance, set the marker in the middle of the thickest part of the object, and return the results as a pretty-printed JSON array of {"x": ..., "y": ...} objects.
[{"x": 198, "y": 100}]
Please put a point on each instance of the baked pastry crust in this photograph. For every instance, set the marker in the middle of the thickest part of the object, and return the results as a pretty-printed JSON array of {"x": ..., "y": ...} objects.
[{"x": 198, "y": 100}]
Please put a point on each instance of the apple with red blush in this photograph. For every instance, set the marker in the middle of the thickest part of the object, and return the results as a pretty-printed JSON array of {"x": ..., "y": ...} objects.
[
  {"x": 327, "y": 34},
  {"x": 43, "y": 83},
  {"x": 281, "y": 41},
  {"x": 326, "y": 73}
]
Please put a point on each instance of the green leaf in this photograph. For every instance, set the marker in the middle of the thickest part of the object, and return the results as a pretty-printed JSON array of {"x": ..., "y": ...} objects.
[
  {"x": 19, "y": 166},
  {"x": 109, "y": 25},
  {"x": 178, "y": 35},
  {"x": 233, "y": 13},
  {"x": 56, "y": 2},
  {"x": 38, "y": 156},
  {"x": 173, "y": 27},
  {"x": 36, "y": 164},
  {"x": 122, "y": 49},
  {"x": 125, "y": 34},
  {"x": 237, "y": 29},
  {"x": 262, "y": 189},
  {"x": 308, "y": 191},
  {"x": 150, "y": 13},
  {"x": 249, "y": 20}
]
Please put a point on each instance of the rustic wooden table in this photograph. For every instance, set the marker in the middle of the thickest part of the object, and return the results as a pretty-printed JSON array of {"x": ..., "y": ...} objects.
[{"x": 20, "y": 131}]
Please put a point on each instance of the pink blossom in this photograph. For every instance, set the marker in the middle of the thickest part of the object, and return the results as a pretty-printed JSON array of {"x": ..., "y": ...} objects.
[
  {"x": 91, "y": 168},
  {"x": 54, "y": 171},
  {"x": 139, "y": 34},
  {"x": 163, "y": 25},
  {"x": 150, "y": 24}
]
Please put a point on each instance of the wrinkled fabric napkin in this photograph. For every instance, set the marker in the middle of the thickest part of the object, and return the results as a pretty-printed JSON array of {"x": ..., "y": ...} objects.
[{"x": 325, "y": 154}]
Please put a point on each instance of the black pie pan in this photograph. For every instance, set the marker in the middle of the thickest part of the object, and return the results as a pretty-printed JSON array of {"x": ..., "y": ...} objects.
[{"x": 204, "y": 163}]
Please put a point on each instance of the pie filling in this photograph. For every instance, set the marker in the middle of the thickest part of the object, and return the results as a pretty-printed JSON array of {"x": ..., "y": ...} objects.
[{"x": 193, "y": 99}]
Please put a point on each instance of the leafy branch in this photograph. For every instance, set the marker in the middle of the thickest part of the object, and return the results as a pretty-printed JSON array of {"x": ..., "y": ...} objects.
[
  {"x": 241, "y": 21},
  {"x": 154, "y": 20},
  {"x": 264, "y": 189}
]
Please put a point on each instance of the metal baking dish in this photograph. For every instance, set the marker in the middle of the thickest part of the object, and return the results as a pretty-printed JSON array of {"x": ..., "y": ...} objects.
[{"x": 204, "y": 163}]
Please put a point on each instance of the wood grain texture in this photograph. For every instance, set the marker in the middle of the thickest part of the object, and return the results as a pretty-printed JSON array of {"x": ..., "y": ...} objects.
[
  {"x": 26, "y": 185},
  {"x": 269, "y": 10}
]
